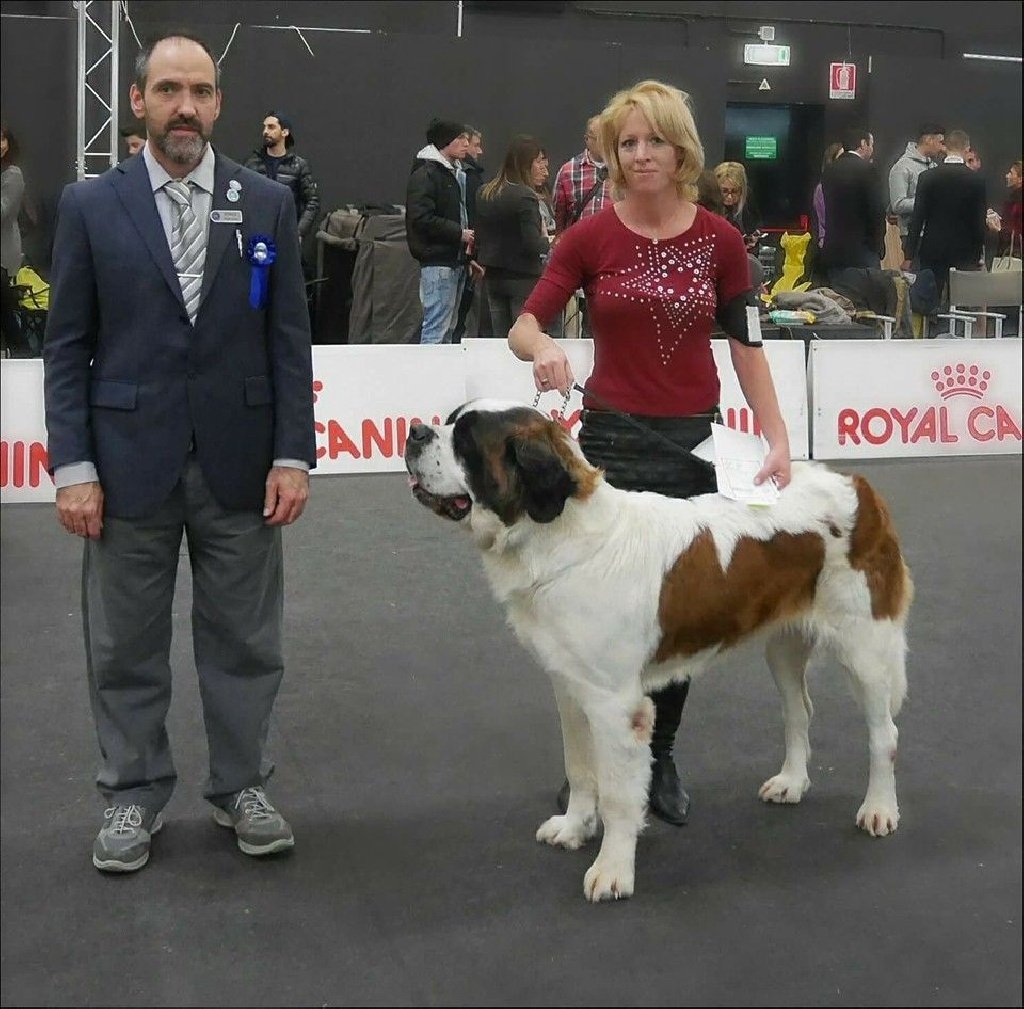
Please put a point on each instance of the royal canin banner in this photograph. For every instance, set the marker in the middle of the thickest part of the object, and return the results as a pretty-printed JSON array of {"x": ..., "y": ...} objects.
[
  {"x": 876, "y": 400},
  {"x": 367, "y": 398}
]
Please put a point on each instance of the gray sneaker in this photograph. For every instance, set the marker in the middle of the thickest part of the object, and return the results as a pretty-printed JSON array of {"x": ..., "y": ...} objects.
[
  {"x": 122, "y": 845},
  {"x": 260, "y": 829}
]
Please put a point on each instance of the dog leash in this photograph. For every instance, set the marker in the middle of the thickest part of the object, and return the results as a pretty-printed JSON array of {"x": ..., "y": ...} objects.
[{"x": 713, "y": 416}]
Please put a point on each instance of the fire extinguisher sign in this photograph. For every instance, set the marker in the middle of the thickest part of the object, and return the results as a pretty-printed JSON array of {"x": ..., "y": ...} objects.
[{"x": 842, "y": 80}]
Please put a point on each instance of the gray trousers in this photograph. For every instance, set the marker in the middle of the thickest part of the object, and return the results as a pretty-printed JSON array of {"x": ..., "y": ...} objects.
[{"x": 128, "y": 580}]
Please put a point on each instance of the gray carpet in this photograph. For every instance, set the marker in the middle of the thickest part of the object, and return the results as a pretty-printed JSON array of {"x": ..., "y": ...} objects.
[{"x": 418, "y": 750}]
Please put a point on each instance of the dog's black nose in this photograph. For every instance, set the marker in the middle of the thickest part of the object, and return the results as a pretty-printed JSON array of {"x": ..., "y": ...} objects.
[{"x": 420, "y": 433}]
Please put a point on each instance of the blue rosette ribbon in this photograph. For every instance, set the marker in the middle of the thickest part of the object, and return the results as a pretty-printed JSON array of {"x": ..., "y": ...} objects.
[{"x": 261, "y": 253}]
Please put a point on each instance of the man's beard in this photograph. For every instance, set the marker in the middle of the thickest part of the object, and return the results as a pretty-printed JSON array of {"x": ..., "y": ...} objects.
[{"x": 182, "y": 149}]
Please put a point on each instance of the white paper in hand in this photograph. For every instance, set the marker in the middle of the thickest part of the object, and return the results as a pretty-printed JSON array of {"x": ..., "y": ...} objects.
[{"x": 738, "y": 459}]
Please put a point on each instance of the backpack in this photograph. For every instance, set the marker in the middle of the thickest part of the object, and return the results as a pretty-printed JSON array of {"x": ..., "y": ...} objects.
[{"x": 924, "y": 293}]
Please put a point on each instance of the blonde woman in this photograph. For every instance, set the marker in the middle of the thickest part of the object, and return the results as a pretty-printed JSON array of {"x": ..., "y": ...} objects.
[
  {"x": 739, "y": 208},
  {"x": 657, "y": 270}
]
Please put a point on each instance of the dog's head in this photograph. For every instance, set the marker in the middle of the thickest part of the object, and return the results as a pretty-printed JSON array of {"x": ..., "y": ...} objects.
[{"x": 504, "y": 457}]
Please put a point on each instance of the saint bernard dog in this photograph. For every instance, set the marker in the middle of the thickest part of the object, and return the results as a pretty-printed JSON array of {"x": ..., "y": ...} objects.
[{"x": 617, "y": 593}]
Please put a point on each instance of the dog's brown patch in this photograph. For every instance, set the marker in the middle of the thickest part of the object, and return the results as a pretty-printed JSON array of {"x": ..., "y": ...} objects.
[
  {"x": 702, "y": 605},
  {"x": 875, "y": 550},
  {"x": 584, "y": 476},
  {"x": 540, "y": 447}
]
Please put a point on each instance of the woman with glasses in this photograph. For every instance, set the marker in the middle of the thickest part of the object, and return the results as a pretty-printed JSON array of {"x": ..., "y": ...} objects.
[{"x": 739, "y": 208}]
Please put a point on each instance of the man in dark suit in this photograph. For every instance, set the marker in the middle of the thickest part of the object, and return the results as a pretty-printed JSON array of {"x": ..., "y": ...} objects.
[
  {"x": 855, "y": 236},
  {"x": 178, "y": 389},
  {"x": 947, "y": 228}
]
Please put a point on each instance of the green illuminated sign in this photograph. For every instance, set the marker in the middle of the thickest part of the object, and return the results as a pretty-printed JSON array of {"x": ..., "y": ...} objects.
[{"x": 761, "y": 148}]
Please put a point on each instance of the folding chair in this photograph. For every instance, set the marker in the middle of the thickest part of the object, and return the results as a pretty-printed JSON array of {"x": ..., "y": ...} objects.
[{"x": 972, "y": 291}]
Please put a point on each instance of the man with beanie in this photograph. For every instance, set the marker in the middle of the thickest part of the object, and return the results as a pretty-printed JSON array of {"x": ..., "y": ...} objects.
[
  {"x": 437, "y": 226},
  {"x": 277, "y": 161}
]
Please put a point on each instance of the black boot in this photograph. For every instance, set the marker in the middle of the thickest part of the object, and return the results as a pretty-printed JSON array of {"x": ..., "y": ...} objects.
[{"x": 667, "y": 798}]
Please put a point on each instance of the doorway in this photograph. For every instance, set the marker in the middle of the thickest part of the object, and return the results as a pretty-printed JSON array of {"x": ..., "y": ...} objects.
[{"x": 781, "y": 147}]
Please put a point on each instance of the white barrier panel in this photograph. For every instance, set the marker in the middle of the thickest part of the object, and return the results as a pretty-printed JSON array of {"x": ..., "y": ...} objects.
[
  {"x": 916, "y": 398},
  {"x": 493, "y": 371},
  {"x": 23, "y": 459},
  {"x": 788, "y": 366},
  {"x": 367, "y": 398}
]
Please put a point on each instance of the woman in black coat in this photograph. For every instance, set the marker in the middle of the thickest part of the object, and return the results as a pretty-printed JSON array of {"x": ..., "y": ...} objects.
[{"x": 510, "y": 239}]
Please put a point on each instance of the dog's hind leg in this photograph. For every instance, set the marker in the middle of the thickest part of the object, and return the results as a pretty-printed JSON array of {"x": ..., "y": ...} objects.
[
  {"x": 787, "y": 653},
  {"x": 579, "y": 824},
  {"x": 621, "y": 731},
  {"x": 874, "y": 654}
]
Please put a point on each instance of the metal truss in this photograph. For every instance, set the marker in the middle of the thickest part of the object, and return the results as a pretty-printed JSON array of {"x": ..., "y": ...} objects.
[{"x": 98, "y": 86}]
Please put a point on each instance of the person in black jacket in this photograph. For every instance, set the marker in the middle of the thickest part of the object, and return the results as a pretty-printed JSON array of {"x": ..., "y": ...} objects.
[
  {"x": 854, "y": 210},
  {"x": 473, "y": 164},
  {"x": 437, "y": 226},
  {"x": 470, "y": 305},
  {"x": 277, "y": 161},
  {"x": 510, "y": 236},
  {"x": 948, "y": 225}
]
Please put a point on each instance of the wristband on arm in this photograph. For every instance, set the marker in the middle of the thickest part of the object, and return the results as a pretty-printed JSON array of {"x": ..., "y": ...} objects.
[{"x": 734, "y": 319}]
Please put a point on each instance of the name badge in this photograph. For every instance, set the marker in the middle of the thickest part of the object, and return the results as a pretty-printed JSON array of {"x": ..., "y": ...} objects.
[{"x": 226, "y": 216}]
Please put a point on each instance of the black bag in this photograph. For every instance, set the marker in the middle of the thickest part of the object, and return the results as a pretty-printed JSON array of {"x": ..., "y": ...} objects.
[{"x": 924, "y": 293}]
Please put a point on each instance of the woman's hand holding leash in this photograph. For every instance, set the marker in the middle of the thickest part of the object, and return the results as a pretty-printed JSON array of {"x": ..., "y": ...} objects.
[{"x": 551, "y": 368}]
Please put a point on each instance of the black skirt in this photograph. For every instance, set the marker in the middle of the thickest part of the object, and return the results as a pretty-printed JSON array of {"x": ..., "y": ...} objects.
[{"x": 637, "y": 460}]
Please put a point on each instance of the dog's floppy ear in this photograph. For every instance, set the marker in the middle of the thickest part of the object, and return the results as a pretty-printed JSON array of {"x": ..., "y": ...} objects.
[{"x": 545, "y": 481}]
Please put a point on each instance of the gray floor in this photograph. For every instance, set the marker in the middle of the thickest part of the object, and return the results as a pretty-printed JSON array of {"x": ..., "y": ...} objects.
[{"x": 418, "y": 750}]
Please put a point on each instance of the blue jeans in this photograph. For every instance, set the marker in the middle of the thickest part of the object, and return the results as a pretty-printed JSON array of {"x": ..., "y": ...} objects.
[{"x": 440, "y": 292}]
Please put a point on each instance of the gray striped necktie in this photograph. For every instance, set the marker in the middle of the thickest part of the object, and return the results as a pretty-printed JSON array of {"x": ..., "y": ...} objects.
[{"x": 188, "y": 246}]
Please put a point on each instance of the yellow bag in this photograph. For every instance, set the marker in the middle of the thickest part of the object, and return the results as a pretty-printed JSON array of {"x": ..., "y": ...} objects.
[
  {"x": 35, "y": 292},
  {"x": 793, "y": 266}
]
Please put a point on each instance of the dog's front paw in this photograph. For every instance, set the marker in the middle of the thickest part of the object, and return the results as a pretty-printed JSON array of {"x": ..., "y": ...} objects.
[
  {"x": 608, "y": 879},
  {"x": 784, "y": 788},
  {"x": 566, "y": 832},
  {"x": 879, "y": 819}
]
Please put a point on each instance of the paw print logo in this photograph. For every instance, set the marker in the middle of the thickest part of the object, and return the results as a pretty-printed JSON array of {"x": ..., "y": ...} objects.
[
  {"x": 318, "y": 387},
  {"x": 961, "y": 380}
]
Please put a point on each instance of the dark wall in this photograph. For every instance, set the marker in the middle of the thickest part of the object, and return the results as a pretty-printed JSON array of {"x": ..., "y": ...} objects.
[
  {"x": 361, "y": 102},
  {"x": 983, "y": 99}
]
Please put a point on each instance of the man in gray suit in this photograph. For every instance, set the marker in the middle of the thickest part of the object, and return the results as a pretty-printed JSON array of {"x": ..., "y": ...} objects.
[{"x": 178, "y": 387}]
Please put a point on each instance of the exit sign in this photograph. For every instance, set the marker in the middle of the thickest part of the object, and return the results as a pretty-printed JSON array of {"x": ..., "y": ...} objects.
[
  {"x": 761, "y": 148},
  {"x": 765, "y": 55}
]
